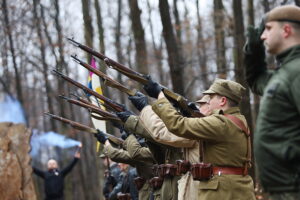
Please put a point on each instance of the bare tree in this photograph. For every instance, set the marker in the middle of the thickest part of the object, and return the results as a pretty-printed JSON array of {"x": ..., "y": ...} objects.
[
  {"x": 139, "y": 37},
  {"x": 43, "y": 59},
  {"x": 239, "y": 42},
  {"x": 201, "y": 49},
  {"x": 8, "y": 30},
  {"x": 175, "y": 58},
  {"x": 157, "y": 49},
  {"x": 219, "y": 38}
]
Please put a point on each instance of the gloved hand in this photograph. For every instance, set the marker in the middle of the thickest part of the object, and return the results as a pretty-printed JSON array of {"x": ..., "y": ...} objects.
[
  {"x": 111, "y": 181},
  {"x": 139, "y": 100},
  {"x": 152, "y": 88},
  {"x": 101, "y": 137},
  {"x": 254, "y": 42},
  {"x": 124, "y": 115},
  {"x": 124, "y": 134},
  {"x": 193, "y": 106}
]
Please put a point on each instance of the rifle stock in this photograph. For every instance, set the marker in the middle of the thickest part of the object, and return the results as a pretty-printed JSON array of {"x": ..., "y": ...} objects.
[
  {"x": 175, "y": 98},
  {"x": 85, "y": 128}
]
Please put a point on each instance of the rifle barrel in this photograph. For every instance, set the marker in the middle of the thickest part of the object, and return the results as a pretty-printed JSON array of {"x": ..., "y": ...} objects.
[
  {"x": 106, "y": 100},
  {"x": 85, "y": 128},
  {"x": 108, "y": 81}
]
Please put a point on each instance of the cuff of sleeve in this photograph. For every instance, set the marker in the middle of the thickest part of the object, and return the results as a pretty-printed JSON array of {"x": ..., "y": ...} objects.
[
  {"x": 131, "y": 123},
  {"x": 159, "y": 104}
]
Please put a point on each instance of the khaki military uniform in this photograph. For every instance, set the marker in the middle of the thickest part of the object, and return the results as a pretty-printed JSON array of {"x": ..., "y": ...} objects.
[
  {"x": 225, "y": 145},
  {"x": 187, "y": 187},
  {"x": 133, "y": 125},
  {"x": 137, "y": 156},
  {"x": 169, "y": 189}
]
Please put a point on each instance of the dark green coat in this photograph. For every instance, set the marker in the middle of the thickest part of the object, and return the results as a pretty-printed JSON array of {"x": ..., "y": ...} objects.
[
  {"x": 225, "y": 145},
  {"x": 277, "y": 134}
]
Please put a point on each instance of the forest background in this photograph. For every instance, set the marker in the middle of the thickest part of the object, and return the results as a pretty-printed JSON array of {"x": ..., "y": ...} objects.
[{"x": 183, "y": 44}]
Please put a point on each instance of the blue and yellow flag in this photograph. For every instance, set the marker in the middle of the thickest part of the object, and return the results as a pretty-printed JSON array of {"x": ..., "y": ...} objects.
[{"x": 95, "y": 84}]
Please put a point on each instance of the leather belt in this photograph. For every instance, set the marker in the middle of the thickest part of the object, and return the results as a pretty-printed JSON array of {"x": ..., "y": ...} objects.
[{"x": 229, "y": 170}]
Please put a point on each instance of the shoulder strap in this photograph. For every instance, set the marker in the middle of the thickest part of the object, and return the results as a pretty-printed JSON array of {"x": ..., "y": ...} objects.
[
  {"x": 246, "y": 130},
  {"x": 239, "y": 123}
]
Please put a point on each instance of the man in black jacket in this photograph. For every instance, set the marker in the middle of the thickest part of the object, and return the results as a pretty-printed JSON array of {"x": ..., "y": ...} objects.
[{"x": 54, "y": 178}]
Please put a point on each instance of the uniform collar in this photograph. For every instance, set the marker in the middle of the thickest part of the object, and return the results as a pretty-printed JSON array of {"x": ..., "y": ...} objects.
[
  {"x": 233, "y": 110},
  {"x": 288, "y": 55}
]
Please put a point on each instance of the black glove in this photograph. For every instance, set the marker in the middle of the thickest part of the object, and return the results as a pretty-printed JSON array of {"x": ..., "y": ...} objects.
[
  {"x": 124, "y": 134},
  {"x": 152, "y": 88},
  {"x": 124, "y": 115},
  {"x": 254, "y": 53},
  {"x": 254, "y": 43},
  {"x": 139, "y": 100},
  {"x": 101, "y": 137},
  {"x": 193, "y": 106},
  {"x": 111, "y": 181}
]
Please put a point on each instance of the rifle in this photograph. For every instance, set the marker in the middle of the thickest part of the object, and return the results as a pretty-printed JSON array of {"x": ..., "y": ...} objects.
[
  {"x": 85, "y": 128},
  {"x": 178, "y": 100},
  {"x": 107, "y": 80},
  {"x": 92, "y": 108},
  {"x": 107, "y": 102}
]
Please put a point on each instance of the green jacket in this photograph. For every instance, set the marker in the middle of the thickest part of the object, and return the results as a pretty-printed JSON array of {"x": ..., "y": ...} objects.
[
  {"x": 277, "y": 134},
  {"x": 225, "y": 145}
]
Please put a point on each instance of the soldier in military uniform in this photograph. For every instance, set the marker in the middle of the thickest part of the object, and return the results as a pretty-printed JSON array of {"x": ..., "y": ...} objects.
[
  {"x": 187, "y": 187},
  {"x": 276, "y": 141},
  {"x": 133, "y": 154},
  {"x": 227, "y": 146}
]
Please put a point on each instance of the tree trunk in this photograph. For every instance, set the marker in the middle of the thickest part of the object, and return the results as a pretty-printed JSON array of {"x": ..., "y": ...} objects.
[
  {"x": 157, "y": 50},
  {"x": 118, "y": 45},
  {"x": 175, "y": 58},
  {"x": 88, "y": 28},
  {"x": 139, "y": 37},
  {"x": 177, "y": 23},
  {"x": 239, "y": 41},
  {"x": 297, "y": 2},
  {"x": 8, "y": 31},
  {"x": 201, "y": 50},
  {"x": 219, "y": 38},
  {"x": 48, "y": 91}
]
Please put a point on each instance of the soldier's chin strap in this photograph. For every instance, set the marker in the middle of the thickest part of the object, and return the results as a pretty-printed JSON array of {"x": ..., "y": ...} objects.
[{"x": 246, "y": 131}]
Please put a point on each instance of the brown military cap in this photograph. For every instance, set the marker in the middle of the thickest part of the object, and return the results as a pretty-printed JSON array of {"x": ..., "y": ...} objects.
[
  {"x": 289, "y": 13},
  {"x": 204, "y": 99},
  {"x": 227, "y": 88}
]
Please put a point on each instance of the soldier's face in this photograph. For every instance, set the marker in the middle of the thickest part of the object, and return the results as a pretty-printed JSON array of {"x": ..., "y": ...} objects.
[
  {"x": 204, "y": 108},
  {"x": 214, "y": 102},
  {"x": 272, "y": 37}
]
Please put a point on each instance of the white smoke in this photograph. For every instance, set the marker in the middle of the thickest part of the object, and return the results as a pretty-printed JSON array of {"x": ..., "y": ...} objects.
[{"x": 11, "y": 110}]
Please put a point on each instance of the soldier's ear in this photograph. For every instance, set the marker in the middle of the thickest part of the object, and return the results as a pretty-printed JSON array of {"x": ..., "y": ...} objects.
[
  {"x": 287, "y": 30},
  {"x": 223, "y": 101}
]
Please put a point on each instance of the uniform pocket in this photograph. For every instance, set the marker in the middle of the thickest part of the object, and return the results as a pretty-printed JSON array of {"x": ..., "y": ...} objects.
[{"x": 212, "y": 184}]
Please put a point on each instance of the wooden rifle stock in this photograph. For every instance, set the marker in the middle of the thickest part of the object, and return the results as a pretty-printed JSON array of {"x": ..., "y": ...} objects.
[
  {"x": 85, "y": 128},
  {"x": 178, "y": 100}
]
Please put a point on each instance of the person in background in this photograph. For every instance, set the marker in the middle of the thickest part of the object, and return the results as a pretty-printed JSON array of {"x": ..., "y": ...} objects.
[
  {"x": 277, "y": 134},
  {"x": 54, "y": 177},
  {"x": 111, "y": 175}
]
